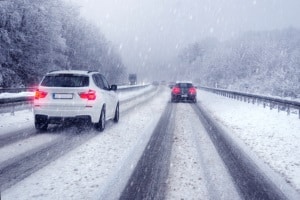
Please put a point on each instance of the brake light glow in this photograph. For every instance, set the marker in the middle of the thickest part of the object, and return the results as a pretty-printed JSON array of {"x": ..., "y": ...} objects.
[
  {"x": 89, "y": 95},
  {"x": 192, "y": 90},
  {"x": 176, "y": 90},
  {"x": 40, "y": 94}
]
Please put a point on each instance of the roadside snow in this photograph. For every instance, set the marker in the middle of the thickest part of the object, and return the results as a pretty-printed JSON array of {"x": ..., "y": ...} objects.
[
  {"x": 273, "y": 136},
  {"x": 14, "y": 95},
  {"x": 18, "y": 148},
  {"x": 15, "y": 122}
]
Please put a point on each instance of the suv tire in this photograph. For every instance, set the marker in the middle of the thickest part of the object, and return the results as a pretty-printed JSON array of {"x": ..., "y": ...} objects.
[
  {"x": 117, "y": 114},
  {"x": 100, "y": 126},
  {"x": 40, "y": 123}
]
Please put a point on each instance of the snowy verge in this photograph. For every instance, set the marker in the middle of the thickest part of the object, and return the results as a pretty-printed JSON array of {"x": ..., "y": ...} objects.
[
  {"x": 271, "y": 136},
  {"x": 19, "y": 150},
  {"x": 7, "y": 95},
  {"x": 18, "y": 121}
]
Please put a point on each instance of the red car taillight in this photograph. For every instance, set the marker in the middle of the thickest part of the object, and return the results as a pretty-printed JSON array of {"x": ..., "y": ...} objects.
[
  {"x": 89, "y": 95},
  {"x": 40, "y": 94},
  {"x": 176, "y": 90},
  {"x": 192, "y": 90}
]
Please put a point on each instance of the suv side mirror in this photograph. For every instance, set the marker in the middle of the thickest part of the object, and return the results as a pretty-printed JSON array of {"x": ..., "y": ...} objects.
[{"x": 113, "y": 87}]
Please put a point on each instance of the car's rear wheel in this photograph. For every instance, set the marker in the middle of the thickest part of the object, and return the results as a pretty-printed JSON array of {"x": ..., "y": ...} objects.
[
  {"x": 41, "y": 123},
  {"x": 100, "y": 126},
  {"x": 117, "y": 114}
]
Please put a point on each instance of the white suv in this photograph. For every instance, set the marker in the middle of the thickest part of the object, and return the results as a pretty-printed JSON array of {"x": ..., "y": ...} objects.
[{"x": 75, "y": 95}]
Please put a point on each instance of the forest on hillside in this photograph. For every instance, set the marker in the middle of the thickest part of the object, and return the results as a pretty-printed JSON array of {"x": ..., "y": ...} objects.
[
  {"x": 264, "y": 62},
  {"x": 37, "y": 36}
]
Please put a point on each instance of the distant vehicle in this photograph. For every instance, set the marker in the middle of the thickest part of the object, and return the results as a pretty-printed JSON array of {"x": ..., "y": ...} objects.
[
  {"x": 184, "y": 91},
  {"x": 132, "y": 79},
  {"x": 75, "y": 95}
]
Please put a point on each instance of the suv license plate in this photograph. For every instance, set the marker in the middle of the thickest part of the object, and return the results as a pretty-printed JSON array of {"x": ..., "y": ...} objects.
[
  {"x": 184, "y": 95},
  {"x": 62, "y": 96}
]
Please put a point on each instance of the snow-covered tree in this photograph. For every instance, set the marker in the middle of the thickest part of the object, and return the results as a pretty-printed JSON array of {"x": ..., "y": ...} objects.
[
  {"x": 266, "y": 62},
  {"x": 37, "y": 36}
]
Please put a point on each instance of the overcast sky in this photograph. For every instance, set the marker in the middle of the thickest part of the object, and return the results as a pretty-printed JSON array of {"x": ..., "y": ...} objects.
[{"x": 150, "y": 32}]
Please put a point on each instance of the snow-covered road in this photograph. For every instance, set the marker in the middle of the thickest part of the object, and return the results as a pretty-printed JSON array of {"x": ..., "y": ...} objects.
[
  {"x": 100, "y": 167},
  {"x": 196, "y": 171},
  {"x": 88, "y": 171}
]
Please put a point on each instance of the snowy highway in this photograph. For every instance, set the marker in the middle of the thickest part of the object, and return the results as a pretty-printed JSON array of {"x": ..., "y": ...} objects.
[
  {"x": 158, "y": 150},
  {"x": 150, "y": 100}
]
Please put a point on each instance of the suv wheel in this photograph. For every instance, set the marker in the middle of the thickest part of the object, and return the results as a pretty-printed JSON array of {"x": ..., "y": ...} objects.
[
  {"x": 117, "y": 114},
  {"x": 40, "y": 123},
  {"x": 100, "y": 126}
]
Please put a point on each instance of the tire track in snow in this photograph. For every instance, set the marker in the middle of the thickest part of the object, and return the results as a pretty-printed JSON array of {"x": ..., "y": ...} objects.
[
  {"x": 149, "y": 177},
  {"x": 251, "y": 181}
]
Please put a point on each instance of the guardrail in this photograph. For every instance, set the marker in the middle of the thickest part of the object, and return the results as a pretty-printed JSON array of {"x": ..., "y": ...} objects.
[
  {"x": 9, "y": 104},
  {"x": 131, "y": 87},
  {"x": 272, "y": 102},
  {"x": 17, "y": 90}
]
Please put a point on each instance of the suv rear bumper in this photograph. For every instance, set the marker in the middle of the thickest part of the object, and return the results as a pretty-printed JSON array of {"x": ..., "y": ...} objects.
[
  {"x": 62, "y": 115},
  {"x": 59, "y": 120}
]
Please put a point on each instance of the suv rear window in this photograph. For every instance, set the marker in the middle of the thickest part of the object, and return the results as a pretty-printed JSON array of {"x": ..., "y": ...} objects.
[{"x": 65, "y": 80}]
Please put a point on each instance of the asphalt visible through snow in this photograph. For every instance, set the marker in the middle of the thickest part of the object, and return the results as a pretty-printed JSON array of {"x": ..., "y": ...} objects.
[
  {"x": 148, "y": 180},
  {"x": 251, "y": 182},
  {"x": 215, "y": 167}
]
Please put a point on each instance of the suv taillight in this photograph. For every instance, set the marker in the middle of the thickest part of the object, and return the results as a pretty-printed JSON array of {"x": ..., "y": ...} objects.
[
  {"x": 192, "y": 90},
  {"x": 89, "y": 95},
  {"x": 40, "y": 94},
  {"x": 176, "y": 90}
]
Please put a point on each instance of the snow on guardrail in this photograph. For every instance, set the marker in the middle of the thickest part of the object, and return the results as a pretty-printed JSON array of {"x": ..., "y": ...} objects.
[{"x": 272, "y": 102}]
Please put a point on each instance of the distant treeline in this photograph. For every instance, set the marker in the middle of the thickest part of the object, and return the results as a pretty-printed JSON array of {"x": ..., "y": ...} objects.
[
  {"x": 37, "y": 36},
  {"x": 265, "y": 62}
]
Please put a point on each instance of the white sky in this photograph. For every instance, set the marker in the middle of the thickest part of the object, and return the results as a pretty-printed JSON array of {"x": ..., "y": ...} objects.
[{"x": 150, "y": 32}]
